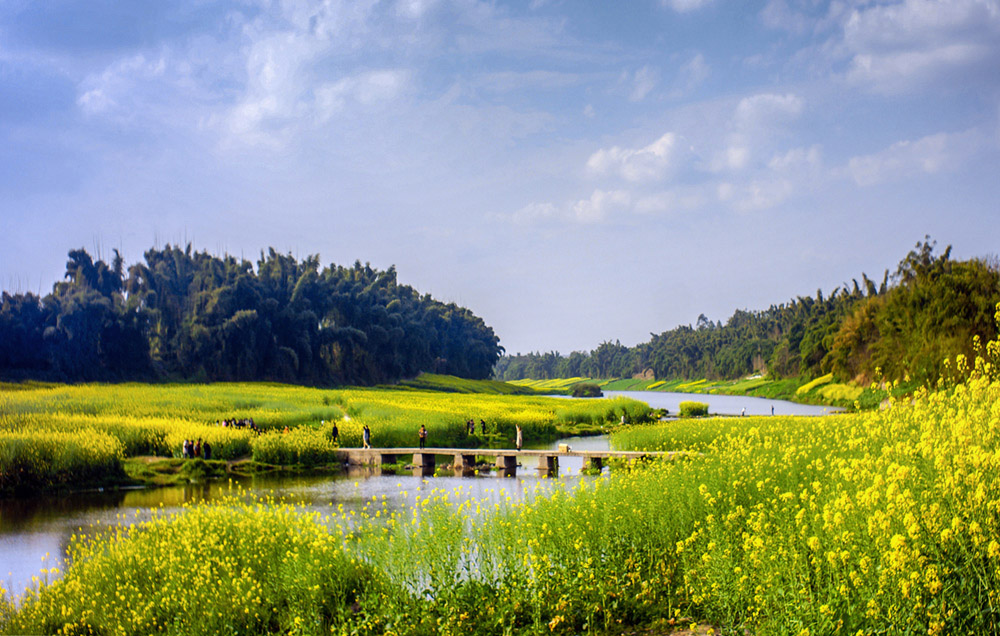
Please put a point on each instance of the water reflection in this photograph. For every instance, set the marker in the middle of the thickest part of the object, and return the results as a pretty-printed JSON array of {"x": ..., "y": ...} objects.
[{"x": 34, "y": 533}]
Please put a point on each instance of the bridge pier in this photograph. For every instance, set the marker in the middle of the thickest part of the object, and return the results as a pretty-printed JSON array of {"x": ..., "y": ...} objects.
[
  {"x": 387, "y": 458},
  {"x": 424, "y": 461},
  {"x": 465, "y": 463},
  {"x": 593, "y": 463},
  {"x": 507, "y": 465},
  {"x": 548, "y": 464}
]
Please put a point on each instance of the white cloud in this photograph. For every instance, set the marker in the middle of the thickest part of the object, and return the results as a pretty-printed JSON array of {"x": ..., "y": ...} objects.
[
  {"x": 636, "y": 164},
  {"x": 691, "y": 75},
  {"x": 534, "y": 212},
  {"x": 933, "y": 154},
  {"x": 415, "y": 8},
  {"x": 510, "y": 81},
  {"x": 733, "y": 157},
  {"x": 796, "y": 158},
  {"x": 767, "y": 108},
  {"x": 756, "y": 194},
  {"x": 683, "y": 6},
  {"x": 764, "y": 194},
  {"x": 644, "y": 81},
  {"x": 669, "y": 202},
  {"x": 778, "y": 15},
  {"x": 600, "y": 205},
  {"x": 897, "y": 46},
  {"x": 119, "y": 84},
  {"x": 364, "y": 89}
]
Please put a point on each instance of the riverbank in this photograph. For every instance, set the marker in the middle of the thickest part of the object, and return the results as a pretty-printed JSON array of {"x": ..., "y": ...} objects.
[
  {"x": 753, "y": 535},
  {"x": 822, "y": 391}
]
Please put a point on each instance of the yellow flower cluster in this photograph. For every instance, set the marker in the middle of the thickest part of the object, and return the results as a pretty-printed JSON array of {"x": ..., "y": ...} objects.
[{"x": 156, "y": 419}]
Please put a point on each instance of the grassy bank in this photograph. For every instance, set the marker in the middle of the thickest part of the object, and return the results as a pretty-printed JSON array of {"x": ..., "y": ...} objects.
[
  {"x": 868, "y": 523},
  {"x": 822, "y": 391},
  {"x": 58, "y": 436}
]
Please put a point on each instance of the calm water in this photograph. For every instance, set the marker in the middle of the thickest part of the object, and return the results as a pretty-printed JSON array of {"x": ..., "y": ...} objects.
[
  {"x": 723, "y": 404},
  {"x": 34, "y": 533}
]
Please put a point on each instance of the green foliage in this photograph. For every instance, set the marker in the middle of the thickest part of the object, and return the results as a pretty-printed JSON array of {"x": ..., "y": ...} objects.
[
  {"x": 586, "y": 390},
  {"x": 689, "y": 408},
  {"x": 933, "y": 313},
  {"x": 189, "y": 315},
  {"x": 452, "y": 384},
  {"x": 906, "y": 327}
]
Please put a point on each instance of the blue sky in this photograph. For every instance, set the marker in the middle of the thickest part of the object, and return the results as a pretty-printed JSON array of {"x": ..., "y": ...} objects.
[{"x": 572, "y": 171}]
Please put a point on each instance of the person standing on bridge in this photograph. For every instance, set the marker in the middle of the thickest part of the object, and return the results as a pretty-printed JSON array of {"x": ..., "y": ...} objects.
[
  {"x": 422, "y": 434},
  {"x": 366, "y": 437},
  {"x": 519, "y": 437}
]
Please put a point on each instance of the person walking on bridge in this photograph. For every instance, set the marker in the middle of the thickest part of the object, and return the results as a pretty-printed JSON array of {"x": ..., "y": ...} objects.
[
  {"x": 422, "y": 434},
  {"x": 519, "y": 437},
  {"x": 366, "y": 436}
]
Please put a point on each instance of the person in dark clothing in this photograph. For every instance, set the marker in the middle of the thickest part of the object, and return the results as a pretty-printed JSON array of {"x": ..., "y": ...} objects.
[
  {"x": 206, "y": 448},
  {"x": 366, "y": 436},
  {"x": 335, "y": 434},
  {"x": 422, "y": 434},
  {"x": 482, "y": 426}
]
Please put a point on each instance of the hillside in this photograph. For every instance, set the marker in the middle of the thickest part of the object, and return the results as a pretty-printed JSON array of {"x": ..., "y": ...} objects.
[
  {"x": 931, "y": 308},
  {"x": 184, "y": 315}
]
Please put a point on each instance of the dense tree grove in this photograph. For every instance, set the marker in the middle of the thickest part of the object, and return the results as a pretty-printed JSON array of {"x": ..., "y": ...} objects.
[
  {"x": 190, "y": 315},
  {"x": 905, "y": 326}
]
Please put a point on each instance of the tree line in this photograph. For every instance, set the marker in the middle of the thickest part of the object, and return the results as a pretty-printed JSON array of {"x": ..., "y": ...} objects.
[
  {"x": 903, "y": 326},
  {"x": 187, "y": 315}
]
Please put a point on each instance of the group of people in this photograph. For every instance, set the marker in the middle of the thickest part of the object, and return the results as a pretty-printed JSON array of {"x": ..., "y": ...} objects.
[
  {"x": 246, "y": 422},
  {"x": 422, "y": 434},
  {"x": 192, "y": 449},
  {"x": 471, "y": 424}
]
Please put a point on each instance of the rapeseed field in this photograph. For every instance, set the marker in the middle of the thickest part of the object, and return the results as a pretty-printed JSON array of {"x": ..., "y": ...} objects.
[
  {"x": 882, "y": 522},
  {"x": 55, "y": 435}
]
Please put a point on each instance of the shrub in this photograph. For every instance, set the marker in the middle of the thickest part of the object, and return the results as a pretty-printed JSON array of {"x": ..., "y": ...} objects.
[
  {"x": 693, "y": 409},
  {"x": 586, "y": 389}
]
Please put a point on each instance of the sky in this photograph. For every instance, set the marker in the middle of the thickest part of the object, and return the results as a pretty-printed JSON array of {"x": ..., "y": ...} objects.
[{"x": 572, "y": 171}]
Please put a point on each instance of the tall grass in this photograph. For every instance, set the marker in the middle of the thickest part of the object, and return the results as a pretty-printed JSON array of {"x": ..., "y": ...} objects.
[{"x": 884, "y": 522}]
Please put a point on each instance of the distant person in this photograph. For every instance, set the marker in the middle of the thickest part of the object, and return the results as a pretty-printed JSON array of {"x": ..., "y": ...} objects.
[
  {"x": 482, "y": 426},
  {"x": 185, "y": 449},
  {"x": 197, "y": 449},
  {"x": 206, "y": 448},
  {"x": 422, "y": 434},
  {"x": 472, "y": 426},
  {"x": 519, "y": 437},
  {"x": 772, "y": 409},
  {"x": 743, "y": 412},
  {"x": 335, "y": 434},
  {"x": 286, "y": 431},
  {"x": 623, "y": 419},
  {"x": 366, "y": 437}
]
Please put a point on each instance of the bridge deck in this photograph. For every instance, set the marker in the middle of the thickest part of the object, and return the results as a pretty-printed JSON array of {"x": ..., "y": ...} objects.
[
  {"x": 464, "y": 459},
  {"x": 507, "y": 452}
]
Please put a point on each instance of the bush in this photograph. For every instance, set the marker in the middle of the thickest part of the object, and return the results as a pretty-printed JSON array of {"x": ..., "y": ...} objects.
[
  {"x": 586, "y": 390},
  {"x": 693, "y": 409}
]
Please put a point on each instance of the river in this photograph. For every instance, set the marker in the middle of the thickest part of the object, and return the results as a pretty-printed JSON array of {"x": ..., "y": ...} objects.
[{"x": 35, "y": 532}]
